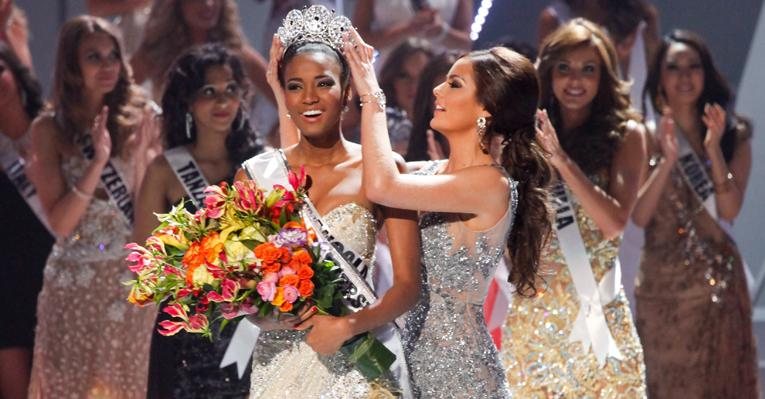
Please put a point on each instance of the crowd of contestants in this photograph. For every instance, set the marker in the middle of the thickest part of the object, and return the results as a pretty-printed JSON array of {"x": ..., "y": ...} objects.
[{"x": 618, "y": 102}]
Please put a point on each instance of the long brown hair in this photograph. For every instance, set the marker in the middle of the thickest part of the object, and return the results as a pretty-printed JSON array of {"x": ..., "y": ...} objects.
[
  {"x": 167, "y": 35},
  {"x": 593, "y": 144},
  {"x": 716, "y": 88},
  {"x": 508, "y": 88},
  {"x": 125, "y": 101}
]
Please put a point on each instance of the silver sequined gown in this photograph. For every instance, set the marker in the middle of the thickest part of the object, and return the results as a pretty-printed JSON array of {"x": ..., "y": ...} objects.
[
  {"x": 284, "y": 366},
  {"x": 90, "y": 342},
  {"x": 448, "y": 348}
]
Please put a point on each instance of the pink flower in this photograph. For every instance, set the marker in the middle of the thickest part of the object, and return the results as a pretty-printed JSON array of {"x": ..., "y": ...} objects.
[
  {"x": 170, "y": 327},
  {"x": 176, "y": 310},
  {"x": 215, "y": 201},
  {"x": 291, "y": 293},
  {"x": 297, "y": 180},
  {"x": 267, "y": 290},
  {"x": 229, "y": 289},
  {"x": 139, "y": 258},
  {"x": 249, "y": 198},
  {"x": 286, "y": 271},
  {"x": 197, "y": 323},
  {"x": 229, "y": 311},
  {"x": 271, "y": 278}
]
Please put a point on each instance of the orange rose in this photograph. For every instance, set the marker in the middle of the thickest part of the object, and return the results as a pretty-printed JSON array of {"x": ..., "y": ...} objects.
[
  {"x": 212, "y": 246},
  {"x": 303, "y": 257},
  {"x": 290, "y": 279},
  {"x": 279, "y": 297},
  {"x": 268, "y": 253},
  {"x": 192, "y": 259},
  {"x": 271, "y": 267},
  {"x": 285, "y": 307},
  {"x": 305, "y": 287},
  {"x": 305, "y": 272}
]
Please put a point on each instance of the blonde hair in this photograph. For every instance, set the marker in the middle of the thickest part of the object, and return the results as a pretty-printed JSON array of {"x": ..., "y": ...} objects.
[
  {"x": 167, "y": 36},
  {"x": 125, "y": 101}
]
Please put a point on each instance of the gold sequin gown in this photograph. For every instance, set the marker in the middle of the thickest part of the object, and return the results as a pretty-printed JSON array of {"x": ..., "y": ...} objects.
[
  {"x": 540, "y": 360},
  {"x": 284, "y": 366},
  {"x": 694, "y": 314},
  {"x": 90, "y": 342}
]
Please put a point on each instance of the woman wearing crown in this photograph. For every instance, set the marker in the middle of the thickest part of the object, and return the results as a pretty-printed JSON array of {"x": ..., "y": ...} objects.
[{"x": 298, "y": 357}]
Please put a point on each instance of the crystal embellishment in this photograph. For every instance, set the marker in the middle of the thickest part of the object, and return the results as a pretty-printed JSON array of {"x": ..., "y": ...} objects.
[{"x": 314, "y": 24}]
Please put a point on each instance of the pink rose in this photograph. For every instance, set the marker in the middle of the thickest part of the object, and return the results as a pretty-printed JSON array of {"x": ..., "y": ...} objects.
[
  {"x": 271, "y": 277},
  {"x": 286, "y": 271},
  {"x": 291, "y": 293},
  {"x": 267, "y": 290}
]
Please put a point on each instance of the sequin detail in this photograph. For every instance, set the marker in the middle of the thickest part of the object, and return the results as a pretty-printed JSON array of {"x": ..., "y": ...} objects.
[
  {"x": 89, "y": 341},
  {"x": 285, "y": 366},
  {"x": 692, "y": 278},
  {"x": 448, "y": 347},
  {"x": 540, "y": 360}
]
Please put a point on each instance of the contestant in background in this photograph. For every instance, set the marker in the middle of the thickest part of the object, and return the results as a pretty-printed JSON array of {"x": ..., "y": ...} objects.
[
  {"x": 176, "y": 25},
  {"x": 207, "y": 134},
  {"x": 26, "y": 242},
  {"x": 576, "y": 337},
  {"x": 694, "y": 313},
  {"x": 91, "y": 152}
]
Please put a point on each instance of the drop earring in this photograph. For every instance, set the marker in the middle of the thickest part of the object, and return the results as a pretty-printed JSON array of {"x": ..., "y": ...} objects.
[
  {"x": 189, "y": 123},
  {"x": 481, "y": 127}
]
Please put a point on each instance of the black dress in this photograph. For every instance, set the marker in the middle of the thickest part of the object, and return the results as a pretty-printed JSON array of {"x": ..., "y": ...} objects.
[
  {"x": 187, "y": 365},
  {"x": 24, "y": 244}
]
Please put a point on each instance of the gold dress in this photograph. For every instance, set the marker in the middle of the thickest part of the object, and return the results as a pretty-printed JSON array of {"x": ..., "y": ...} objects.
[
  {"x": 694, "y": 315},
  {"x": 90, "y": 342},
  {"x": 540, "y": 360}
]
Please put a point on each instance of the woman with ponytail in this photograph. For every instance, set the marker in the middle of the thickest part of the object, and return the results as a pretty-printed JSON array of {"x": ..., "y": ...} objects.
[
  {"x": 471, "y": 210},
  {"x": 576, "y": 337}
]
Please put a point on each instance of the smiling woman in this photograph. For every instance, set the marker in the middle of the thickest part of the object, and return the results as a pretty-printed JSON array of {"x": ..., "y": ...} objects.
[{"x": 91, "y": 153}]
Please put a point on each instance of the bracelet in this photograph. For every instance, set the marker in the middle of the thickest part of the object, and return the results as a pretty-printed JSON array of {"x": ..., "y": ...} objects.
[
  {"x": 79, "y": 193},
  {"x": 725, "y": 185},
  {"x": 377, "y": 97}
]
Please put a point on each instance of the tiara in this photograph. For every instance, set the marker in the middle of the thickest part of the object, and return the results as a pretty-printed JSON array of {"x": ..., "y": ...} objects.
[{"x": 314, "y": 24}]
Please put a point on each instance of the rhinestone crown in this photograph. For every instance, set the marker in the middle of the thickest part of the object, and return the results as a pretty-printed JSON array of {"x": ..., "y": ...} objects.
[{"x": 314, "y": 24}]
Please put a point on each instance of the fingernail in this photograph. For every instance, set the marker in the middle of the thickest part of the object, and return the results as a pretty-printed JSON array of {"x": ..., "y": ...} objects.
[{"x": 314, "y": 308}]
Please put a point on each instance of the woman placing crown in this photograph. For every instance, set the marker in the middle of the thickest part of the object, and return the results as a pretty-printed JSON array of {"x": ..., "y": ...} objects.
[
  {"x": 298, "y": 357},
  {"x": 471, "y": 210}
]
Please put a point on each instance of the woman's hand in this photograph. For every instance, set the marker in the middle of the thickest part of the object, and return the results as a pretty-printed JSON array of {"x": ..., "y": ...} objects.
[
  {"x": 327, "y": 334},
  {"x": 272, "y": 71},
  {"x": 667, "y": 137},
  {"x": 283, "y": 321},
  {"x": 548, "y": 138},
  {"x": 714, "y": 119},
  {"x": 102, "y": 141},
  {"x": 360, "y": 56}
]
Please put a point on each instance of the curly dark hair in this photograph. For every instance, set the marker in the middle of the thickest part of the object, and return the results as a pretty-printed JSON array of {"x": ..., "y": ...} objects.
[
  {"x": 508, "y": 88},
  {"x": 436, "y": 69},
  {"x": 29, "y": 87},
  {"x": 593, "y": 144},
  {"x": 395, "y": 63},
  {"x": 716, "y": 89},
  {"x": 184, "y": 79}
]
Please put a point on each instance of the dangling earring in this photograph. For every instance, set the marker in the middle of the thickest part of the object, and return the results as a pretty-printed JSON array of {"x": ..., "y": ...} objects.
[
  {"x": 481, "y": 123},
  {"x": 189, "y": 123},
  {"x": 242, "y": 119}
]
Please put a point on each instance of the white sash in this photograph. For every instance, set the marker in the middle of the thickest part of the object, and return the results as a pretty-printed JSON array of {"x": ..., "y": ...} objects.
[
  {"x": 111, "y": 180},
  {"x": 13, "y": 165},
  {"x": 695, "y": 175},
  {"x": 188, "y": 173},
  {"x": 590, "y": 327}
]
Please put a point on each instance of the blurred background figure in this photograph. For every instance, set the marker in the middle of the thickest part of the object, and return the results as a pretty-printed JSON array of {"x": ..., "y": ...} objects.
[
  {"x": 205, "y": 123},
  {"x": 90, "y": 154},
  {"x": 26, "y": 242},
  {"x": 694, "y": 313},
  {"x": 14, "y": 31},
  {"x": 130, "y": 16},
  {"x": 176, "y": 25},
  {"x": 384, "y": 24},
  {"x": 399, "y": 79}
]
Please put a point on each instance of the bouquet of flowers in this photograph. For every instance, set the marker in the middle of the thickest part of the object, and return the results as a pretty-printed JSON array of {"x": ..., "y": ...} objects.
[{"x": 247, "y": 251}]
